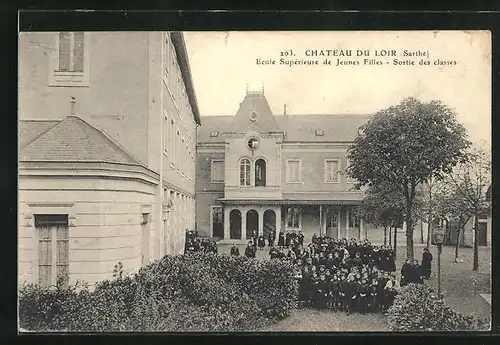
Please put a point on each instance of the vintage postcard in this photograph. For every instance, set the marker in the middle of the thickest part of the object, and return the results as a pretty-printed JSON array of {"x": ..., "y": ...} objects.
[{"x": 281, "y": 181}]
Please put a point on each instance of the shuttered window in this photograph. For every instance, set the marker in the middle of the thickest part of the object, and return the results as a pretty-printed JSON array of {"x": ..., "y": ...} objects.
[
  {"x": 293, "y": 170},
  {"x": 53, "y": 249},
  {"x": 217, "y": 171},
  {"x": 331, "y": 170},
  {"x": 292, "y": 218}
]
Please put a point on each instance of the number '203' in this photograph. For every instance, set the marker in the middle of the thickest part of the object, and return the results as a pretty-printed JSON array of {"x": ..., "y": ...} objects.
[{"x": 288, "y": 52}]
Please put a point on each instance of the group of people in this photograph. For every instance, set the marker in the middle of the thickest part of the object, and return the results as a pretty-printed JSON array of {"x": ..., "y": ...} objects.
[
  {"x": 196, "y": 244},
  {"x": 413, "y": 272}
]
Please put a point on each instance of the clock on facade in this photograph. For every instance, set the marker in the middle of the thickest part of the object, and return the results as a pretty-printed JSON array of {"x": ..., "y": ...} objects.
[{"x": 253, "y": 143}]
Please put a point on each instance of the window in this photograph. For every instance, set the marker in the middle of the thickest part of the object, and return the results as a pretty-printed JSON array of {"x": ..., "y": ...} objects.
[
  {"x": 69, "y": 64},
  {"x": 260, "y": 172},
  {"x": 292, "y": 218},
  {"x": 332, "y": 217},
  {"x": 331, "y": 170},
  {"x": 245, "y": 172},
  {"x": 319, "y": 132},
  {"x": 53, "y": 249},
  {"x": 293, "y": 171},
  {"x": 353, "y": 219},
  {"x": 166, "y": 135},
  {"x": 217, "y": 215},
  {"x": 217, "y": 171},
  {"x": 145, "y": 239},
  {"x": 71, "y": 51},
  {"x": 172, "y": 140},
  {"x": 178, "y": 149}
]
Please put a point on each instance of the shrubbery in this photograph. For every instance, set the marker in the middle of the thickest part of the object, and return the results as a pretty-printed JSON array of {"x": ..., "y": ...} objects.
[
  {"x": 418, "y": 308},
  {"x": 196, "y": 292}
]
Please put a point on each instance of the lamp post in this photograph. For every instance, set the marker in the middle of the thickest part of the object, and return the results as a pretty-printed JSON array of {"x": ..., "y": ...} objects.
[{"x": 438, "y": 240}]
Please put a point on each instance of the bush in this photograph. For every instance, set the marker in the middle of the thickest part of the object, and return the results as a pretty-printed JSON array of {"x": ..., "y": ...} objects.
[
  {"x": 196, "y": 292},
  {"x": 418, "y": 308}
]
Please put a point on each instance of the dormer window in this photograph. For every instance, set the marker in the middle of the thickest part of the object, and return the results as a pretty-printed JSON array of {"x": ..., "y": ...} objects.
[
  {"x": 214, "y": 134},
  {"x": 319, "y": 132},
  {"x": 253, "y": 116}
]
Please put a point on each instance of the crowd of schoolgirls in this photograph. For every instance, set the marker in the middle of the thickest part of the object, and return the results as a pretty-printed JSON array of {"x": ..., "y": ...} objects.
[{"x": 197, "y": 244}]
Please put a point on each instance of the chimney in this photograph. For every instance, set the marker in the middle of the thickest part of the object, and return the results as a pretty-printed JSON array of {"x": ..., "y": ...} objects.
[
  {"x": 284, "y": 109},
  {"x": 73, "y": 102}
]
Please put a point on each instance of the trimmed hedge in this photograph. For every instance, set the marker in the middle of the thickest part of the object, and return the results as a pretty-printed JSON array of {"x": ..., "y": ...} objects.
[
  {"x": 418, "y": 308},
  {"x": 187, "y": 293}
]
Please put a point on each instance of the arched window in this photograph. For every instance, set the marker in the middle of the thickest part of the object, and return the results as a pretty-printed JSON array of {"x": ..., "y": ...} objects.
[
  {"x": 245, "y": 172},
  {"x": 260, "y": 172}
]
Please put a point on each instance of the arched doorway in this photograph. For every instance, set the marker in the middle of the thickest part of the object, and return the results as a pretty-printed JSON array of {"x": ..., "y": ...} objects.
[
  {"x": 269, "y": 223},
  {"x": 235, "y": 225},
  {"x": 252, "y": 223},
  {"x": 260, "y": 172}
]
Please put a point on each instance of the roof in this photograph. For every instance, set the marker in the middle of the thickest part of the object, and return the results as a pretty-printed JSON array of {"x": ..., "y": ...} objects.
[
  {"x": 182, "y": 57},
  {"x": 29, "y": 130},
  {"x": 298, "y": 128},
  {"x": 70, "y": 139}
]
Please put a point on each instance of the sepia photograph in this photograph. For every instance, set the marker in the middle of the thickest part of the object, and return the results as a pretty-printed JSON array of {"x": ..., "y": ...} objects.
[{"x": 254, "y": 181}]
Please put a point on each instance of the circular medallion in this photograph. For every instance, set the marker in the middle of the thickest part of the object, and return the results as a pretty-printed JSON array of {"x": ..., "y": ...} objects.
[{"x": 253, "y": 116}]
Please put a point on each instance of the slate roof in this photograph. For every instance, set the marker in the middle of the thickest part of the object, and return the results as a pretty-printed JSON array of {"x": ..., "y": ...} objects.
[
  {"x": 71, "y": 139},
  {"x": 29, "y": 130},
  {"x": 298, "y": 128}
]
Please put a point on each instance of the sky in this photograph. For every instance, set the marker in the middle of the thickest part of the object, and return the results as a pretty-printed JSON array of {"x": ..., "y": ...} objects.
[{"x": 223, "y": 65}]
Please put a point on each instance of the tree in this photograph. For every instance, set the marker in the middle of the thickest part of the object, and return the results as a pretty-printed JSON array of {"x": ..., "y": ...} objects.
[
  {"x": 383, "y": 206},
  {"x": 404, "y": 146},
  {"x": 451, "y": 206},
  {"x": 472, "y": 179}
]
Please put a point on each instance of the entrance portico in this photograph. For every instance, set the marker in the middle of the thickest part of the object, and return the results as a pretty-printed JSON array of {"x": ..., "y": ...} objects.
[
  {"x": 259, "y": 218},
  {"x": 334, "y": 219}
]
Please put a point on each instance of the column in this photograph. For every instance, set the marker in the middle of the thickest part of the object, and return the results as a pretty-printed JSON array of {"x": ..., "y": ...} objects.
[
  {"x": 347, "y": 222},
  {"x": 261, "y": 222},
  {"x": 361, "y": 231},
  {"x": 227, "y": 210},
  {"x": 338, "y": 222},
  {"x": 278, "y": 220},
  {"x": 243, "y": 224}
]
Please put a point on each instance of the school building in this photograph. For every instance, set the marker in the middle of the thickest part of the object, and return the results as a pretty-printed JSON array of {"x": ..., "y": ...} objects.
[
  {"x": 258, "y": 171},
  {"x": 107, "y": 135}
]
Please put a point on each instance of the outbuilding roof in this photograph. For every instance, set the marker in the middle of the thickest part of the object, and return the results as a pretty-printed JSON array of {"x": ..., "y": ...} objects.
[{"x": 71, "y": 139}]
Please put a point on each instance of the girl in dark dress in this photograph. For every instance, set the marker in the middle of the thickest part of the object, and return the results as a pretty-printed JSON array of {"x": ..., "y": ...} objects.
[
  {"x": 405, "y": 273},
  {"x": 281, "y": 239},
  {"x": 261, "y": 242},
  {"x": 426, "y": 263}
]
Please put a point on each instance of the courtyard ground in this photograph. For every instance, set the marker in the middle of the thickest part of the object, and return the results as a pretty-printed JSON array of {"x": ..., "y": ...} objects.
[{"x": 461, "y": 287}]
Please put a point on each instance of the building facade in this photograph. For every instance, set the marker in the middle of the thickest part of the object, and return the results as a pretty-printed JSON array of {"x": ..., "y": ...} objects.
[
  {"x": 107, "y": 150},
  {"x": 257, "y": 171}
]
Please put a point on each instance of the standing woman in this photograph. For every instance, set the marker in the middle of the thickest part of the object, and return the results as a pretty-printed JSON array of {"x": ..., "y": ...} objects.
[
  {"x": 406, "y": 273},
  {"x": 281, "y": 239},
  {"x": 270, "y": 238},
  {"x": 391, "y": 260},
  {"x": 261, "y": 242},
  {"x": 426, "y": 263}
]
